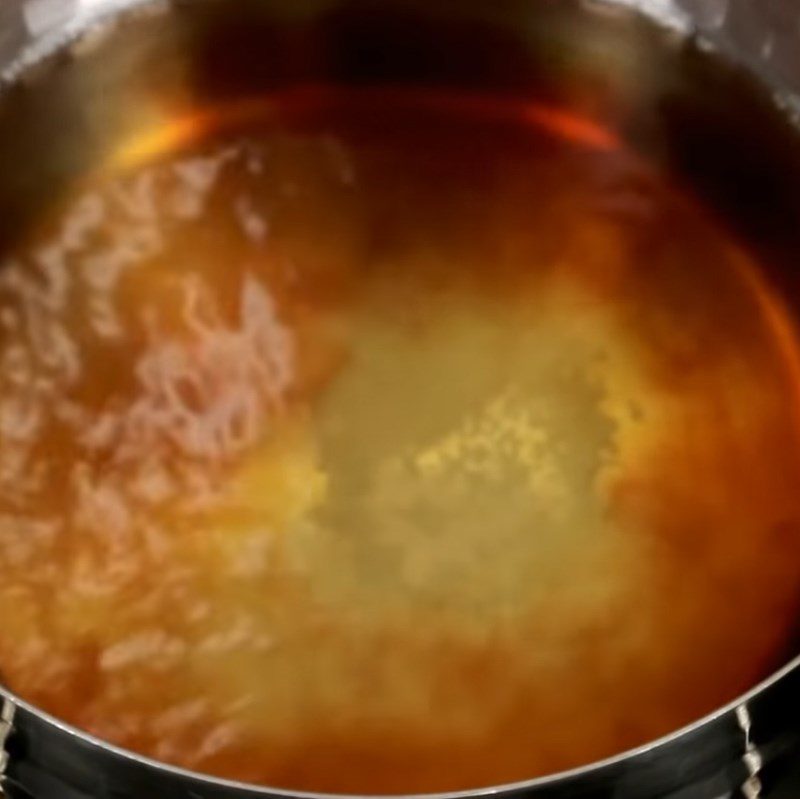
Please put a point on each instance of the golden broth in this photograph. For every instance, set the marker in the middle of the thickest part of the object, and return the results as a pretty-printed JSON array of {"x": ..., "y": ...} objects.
[{"x": 388, "y": 443}]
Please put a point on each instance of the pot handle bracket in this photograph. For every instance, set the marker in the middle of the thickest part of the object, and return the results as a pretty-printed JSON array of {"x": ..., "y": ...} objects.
[
  {"x": 7, "y": 713},
  {"x": 751, "y": 758}
]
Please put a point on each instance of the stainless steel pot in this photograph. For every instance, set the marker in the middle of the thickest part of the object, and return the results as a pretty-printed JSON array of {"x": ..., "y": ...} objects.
[{"x": 750, "y": 748}]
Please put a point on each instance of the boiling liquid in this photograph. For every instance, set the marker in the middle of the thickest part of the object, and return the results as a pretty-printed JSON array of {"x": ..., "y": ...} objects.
[{"x": 390, "y": 443}]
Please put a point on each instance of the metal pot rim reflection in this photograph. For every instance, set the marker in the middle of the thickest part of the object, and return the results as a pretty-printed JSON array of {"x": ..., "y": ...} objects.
[{"x": 663, "y": 753}]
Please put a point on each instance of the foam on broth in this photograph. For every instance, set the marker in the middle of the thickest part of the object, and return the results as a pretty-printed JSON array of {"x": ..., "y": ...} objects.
[{"x": 387, "y": 445}]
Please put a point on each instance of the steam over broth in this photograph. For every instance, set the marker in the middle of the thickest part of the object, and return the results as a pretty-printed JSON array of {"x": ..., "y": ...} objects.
[{"x": 381, "y": 441}]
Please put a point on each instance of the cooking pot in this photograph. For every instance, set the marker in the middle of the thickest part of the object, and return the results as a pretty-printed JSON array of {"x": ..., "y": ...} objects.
[{"x": 749, "y": 748}]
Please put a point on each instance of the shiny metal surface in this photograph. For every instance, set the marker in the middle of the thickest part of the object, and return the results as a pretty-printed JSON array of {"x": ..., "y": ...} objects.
[
  {"x": 7, "y": 713},
  {"x": 765, "y": 33},
  {"x": 735, "y": 752}
]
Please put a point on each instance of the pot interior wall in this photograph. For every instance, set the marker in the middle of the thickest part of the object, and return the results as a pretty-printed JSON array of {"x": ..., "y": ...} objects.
[{"x": 672, "y": 100}]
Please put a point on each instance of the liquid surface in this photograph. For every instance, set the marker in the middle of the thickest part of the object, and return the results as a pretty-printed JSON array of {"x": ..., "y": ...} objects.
[{"x": 390, "y": 446}]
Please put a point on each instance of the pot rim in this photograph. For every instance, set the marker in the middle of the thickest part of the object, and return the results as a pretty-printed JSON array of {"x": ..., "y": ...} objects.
[{"x": 536, "y": 783}]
